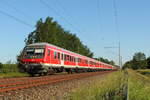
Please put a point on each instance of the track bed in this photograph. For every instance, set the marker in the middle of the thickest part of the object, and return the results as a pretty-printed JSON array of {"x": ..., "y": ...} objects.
[{"x": 52, "y": 85}]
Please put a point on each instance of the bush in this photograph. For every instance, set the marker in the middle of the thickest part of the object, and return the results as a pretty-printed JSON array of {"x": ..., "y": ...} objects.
[
  {"x": 1, "y": 66},
  {"x": 9, "y": 68}
]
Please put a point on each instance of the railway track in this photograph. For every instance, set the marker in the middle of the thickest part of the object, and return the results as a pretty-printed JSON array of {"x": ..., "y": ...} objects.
[{"x": 22, "y": 83}]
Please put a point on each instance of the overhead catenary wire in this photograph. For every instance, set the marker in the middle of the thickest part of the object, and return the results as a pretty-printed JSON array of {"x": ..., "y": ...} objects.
[
  {"x": 16, "y": 9},
  {"x": 63, "y": 9},
  {"x": 116, "y": 18},
  {"x": 16, "y": 19},
  {"x": 117, "y": 31},
  {"x": 99, "y": 18},
  {"x": 69, "y": 16},
  {"x": 57, "y": 13}
]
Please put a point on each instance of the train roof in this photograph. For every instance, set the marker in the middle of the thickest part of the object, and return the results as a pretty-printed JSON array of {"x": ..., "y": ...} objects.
[{"x": 44, "y": 44}]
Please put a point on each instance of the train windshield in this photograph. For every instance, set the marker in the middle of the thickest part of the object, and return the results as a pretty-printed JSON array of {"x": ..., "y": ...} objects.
[{"x": 33, "y": 53}]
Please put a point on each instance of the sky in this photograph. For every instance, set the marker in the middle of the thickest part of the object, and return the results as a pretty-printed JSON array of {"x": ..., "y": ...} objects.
[{"x": 93, "y": 21}]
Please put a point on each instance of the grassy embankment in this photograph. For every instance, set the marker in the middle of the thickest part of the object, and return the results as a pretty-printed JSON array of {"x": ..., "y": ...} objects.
[
  {"x": 112, "y": 87},
  {"x": 10, "y": 70},
  {"x": 139, "y": 85},
  {"x": 134, "y": 85}
]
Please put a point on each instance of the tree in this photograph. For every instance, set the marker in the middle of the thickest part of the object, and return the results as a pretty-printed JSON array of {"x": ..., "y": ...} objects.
[
  {"x": 148, "y": 62},
  {"x": 105, "y": 60},
  {"x": 138, "y": 62},
  {"x": 1, "y": 65},
  {"x": 139, "y": 56},
  {"x": 112, "y": 62},
  {"x": 51, "y": 32},
  {"x": 128, "y": 64}
]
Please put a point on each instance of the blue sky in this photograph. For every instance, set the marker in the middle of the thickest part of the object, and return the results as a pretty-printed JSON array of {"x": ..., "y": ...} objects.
[{"x": 95, "y": 30}]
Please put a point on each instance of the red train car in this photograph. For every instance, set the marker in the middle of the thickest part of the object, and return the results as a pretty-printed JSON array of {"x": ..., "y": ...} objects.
[{"x": 42, "y": 58}]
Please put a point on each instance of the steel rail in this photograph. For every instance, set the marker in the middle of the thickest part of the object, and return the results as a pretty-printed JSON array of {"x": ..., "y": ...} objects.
[{"x": 44, "y": 81}]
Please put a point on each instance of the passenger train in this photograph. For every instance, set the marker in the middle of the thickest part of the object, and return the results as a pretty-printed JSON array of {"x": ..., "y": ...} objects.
[{"x": 44, "y": 58}]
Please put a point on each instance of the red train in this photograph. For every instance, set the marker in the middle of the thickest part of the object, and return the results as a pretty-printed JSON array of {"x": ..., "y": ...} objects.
[{"x": 43, "y": 58}]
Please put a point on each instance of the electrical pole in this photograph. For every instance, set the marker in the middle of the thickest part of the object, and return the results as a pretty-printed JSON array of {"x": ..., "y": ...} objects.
[
  {"x": 120, "y": 58},
  {"x": 119, "y": 54}
]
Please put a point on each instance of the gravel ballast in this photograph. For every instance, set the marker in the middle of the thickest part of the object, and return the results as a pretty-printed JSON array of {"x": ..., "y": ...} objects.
[{"x": 57, "y": 91}]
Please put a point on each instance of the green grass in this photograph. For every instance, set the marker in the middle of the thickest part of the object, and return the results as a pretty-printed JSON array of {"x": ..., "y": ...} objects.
[
  {"x": 11, "y": 70},
  {"x": 144, "y": 72},
  {"x": 108, "y": 89},
  {"x": 139, "y": 85},
  {"x": 116, "y": 86},
  {"x": 13, "y": 74},
  {"x": 7, "y": 68}
]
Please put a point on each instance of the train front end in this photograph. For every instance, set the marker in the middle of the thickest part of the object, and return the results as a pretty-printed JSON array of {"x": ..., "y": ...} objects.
[{"x": 32, "y": 59}]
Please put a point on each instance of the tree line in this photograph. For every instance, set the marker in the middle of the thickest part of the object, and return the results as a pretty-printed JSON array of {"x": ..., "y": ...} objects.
[
  {"x": 139, "y": 61},
  {"x": 111, "y": 62}
]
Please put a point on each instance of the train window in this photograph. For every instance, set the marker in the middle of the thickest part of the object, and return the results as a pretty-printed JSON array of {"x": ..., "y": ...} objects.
[
  {"x": 65, "y": 57},
  {"x": 86, "y": 61},
  {"x": 69, "y": 58},
  {"x": 79, "y": 59},
  {"x": 48, "y": 52},
  {"x": 55, "y": 55},
  {"x": 58, "y": 55},
  {"x": 62, "y": 56},
  {"x": 76, "y": 59},
  {"x": 90, "y": 63},
  {"x": 33, "y": 53},
  {"x": 73, "y": 59}
]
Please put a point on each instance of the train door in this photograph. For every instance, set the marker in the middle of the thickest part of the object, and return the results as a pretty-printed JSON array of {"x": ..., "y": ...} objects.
[
  {"x": 62, "y": 59},
  {"x": 49, "y": 56}
]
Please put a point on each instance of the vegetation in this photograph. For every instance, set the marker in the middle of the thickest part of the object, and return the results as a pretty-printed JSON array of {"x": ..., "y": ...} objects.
[
  {"x": 112, "y": 87},
  {"x": 120, "y": 85},
  {"x": 1, "y": 66},
  {"x": 10, "y": 70},
  {"x": 13, "y": 74},
  {"x": 105, "y": 60},
  {"x": 138, "y": 86},
  {"x": 139, "y": 61},
  {"x": 144, "y": 72},
  {"x": 148, "y": 62},
  {"x": 51, "y": 32}
]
